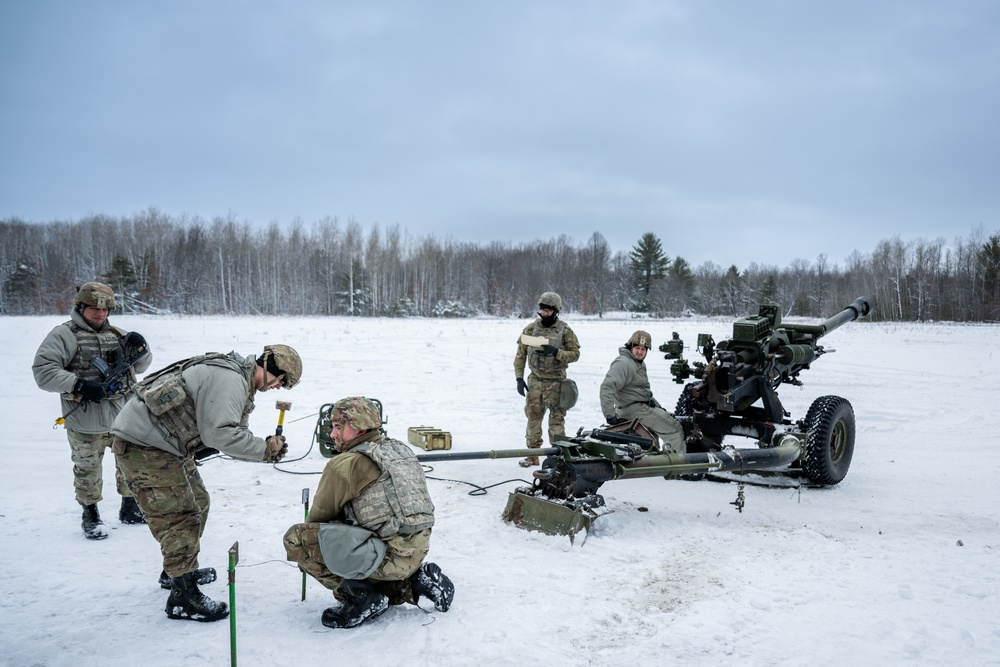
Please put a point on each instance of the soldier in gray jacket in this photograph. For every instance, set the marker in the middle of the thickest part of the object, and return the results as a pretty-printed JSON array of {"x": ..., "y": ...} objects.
[
  {"x": 369, "y": 528},
  {"x": 64, "y": 363},
  {"x": 191, "y": 407},
  {"x": 626, "y": 394}
]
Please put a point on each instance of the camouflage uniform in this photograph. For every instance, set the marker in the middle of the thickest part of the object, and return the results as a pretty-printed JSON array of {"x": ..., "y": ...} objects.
[
  {"x": 547, "y": 374},
  {"x": 64, "y": 359},
  {"x": 347, "y": 481},
  {"x": 373, "y": 498},
  {"x": 626, "y": 394}
]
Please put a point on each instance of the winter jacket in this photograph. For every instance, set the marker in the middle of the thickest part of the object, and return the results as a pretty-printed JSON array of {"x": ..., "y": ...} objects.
[
  {"x": 65, "y": 356},
  {"x": 222, "y": 391},
  {"x": 626, "y": 383}
]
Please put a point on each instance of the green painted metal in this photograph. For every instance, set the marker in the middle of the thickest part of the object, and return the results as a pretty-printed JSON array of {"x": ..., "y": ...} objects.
[
  {"x": 547, "y": 516},
  {"x": 234, "y": 557}
]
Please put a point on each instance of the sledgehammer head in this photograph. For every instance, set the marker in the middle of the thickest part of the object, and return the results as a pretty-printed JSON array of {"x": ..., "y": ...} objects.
[{"x": 282, "y": 406}]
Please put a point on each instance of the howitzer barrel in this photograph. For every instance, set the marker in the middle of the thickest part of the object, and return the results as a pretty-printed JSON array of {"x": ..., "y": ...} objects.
[
  {"x": 796, "y": 355},
  {"x": 672, "y": 463},
  {"x": 491, "y": 454},
  {"x": 858, "y": 309}
]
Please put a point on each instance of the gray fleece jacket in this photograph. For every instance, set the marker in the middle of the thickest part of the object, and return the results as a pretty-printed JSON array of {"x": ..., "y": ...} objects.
[
  {"x": 223, "y": 394},
  {"x": 625, "y": 383},
  {"x": 55, "y": 355}
]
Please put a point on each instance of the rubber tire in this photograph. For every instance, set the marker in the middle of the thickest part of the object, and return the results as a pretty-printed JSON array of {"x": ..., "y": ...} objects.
[{"x": 830, "y": 443}]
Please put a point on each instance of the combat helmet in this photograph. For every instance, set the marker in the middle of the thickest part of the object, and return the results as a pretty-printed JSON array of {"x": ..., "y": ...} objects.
[
  {"x": 357, "y": 411},
  {"x": 550, "y": 299},
  {"x": 96, "y": 295},
  {"x": 639, "y": 338},
  {"x": 283, "y": 362}
]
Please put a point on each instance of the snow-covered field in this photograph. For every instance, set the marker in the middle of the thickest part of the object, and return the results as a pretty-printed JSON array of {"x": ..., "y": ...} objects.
[{"x": 897, "y": 565}]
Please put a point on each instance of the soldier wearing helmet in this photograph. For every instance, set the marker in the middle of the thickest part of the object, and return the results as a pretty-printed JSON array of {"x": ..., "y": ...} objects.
[
  {"x": 547, "y": 347},
  {"x": 626, "y": 394},
  {"x": 190, "y": 409},
  {"x": 368, "y": 530},
  {"x": 68, "y": 362}
]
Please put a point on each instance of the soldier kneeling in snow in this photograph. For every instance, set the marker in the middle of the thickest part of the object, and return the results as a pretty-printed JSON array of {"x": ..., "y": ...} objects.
[{"x": 369, "y": 527}]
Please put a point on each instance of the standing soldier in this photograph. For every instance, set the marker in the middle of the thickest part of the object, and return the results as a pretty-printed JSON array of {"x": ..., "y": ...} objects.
[
  {"x": 185, "y": 410},
  {"x": 369, "y": 528},
  {"x": 64, "y": 363},
  {"x": 548, "y": 346},
  {"x": 626, "y": 394}
]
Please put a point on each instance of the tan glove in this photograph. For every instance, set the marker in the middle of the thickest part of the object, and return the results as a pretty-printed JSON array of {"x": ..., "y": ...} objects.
[{"x": 276, "y": 448}]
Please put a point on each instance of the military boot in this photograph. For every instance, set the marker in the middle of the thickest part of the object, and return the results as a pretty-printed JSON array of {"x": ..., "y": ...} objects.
[
  {"x": 363, "y": 604},
  {"x": 188, "y": 603},
  {"x": 130, "y": 512},
  {"x": 430, "y": 582},
  {"x": 202, "y": 576},
  {"x": 92, "y": 525},
  {"x": 527, "y": 462}
]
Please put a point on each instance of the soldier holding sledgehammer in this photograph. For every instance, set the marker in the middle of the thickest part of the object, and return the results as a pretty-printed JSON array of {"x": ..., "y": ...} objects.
[{"x": 194, "y": 404}]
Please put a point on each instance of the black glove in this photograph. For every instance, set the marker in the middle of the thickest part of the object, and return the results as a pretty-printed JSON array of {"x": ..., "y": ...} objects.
[
  {"x": 135, "y": 345},
  {"x": 90, "y": 391},
  {"x": 547, "y": 350},
  {"x": 204, "y": 453},
  {"x": 521, "y": 386},
  {"x": 614, "y": 420}
]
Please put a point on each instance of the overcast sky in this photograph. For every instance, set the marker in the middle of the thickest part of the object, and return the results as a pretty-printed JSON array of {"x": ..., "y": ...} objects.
[{"x": 736, "y": 131}]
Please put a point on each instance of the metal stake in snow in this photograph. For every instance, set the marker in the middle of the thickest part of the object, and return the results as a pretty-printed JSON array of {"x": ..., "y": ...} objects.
[
  {"x": 305, "y": 501},
  {"x": 234, "y": 557}
]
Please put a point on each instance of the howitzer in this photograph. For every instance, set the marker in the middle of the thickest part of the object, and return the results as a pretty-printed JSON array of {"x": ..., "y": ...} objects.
[
  {"x": 563, "y": 498},
  {"x": 736, "y": 392},
  {"x": 114, "y": 376},
  {"x": 741, "y": 372}
]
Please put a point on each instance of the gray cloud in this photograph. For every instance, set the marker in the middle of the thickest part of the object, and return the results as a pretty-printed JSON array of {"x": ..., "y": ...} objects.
[{"x": 721, "y": 126}]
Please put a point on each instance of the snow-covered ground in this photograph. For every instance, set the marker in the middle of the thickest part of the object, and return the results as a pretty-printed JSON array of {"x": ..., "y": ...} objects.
[{"x": 897, "y": 565}]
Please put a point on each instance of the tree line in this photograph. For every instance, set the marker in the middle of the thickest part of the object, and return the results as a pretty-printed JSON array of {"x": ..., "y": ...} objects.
[{"x": 162, "y": 264}]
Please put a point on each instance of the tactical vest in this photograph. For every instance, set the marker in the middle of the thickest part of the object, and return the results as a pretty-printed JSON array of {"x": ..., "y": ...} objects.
[
  {"x": 171, "y": 405},
  {"x": 548, "y": 366},
  {"x": 398, "y": 501},
  {"x": 106, "y": 344}
]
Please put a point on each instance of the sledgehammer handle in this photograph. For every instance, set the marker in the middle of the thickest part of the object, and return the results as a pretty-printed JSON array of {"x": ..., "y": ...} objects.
[
  {"x": 234, "y": 557},
  {"x": 305, "y": 501},
  {"x": 281, "y": 406}
]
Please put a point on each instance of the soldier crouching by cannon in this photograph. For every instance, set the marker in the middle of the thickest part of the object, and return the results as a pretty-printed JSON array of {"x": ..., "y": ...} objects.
[{"x": 369, "y": 529}]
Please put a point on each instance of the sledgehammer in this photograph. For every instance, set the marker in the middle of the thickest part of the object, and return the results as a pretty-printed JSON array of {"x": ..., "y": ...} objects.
[{"x": 282, "y": 406}]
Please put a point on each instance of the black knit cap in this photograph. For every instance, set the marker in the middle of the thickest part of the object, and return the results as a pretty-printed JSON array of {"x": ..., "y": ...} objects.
[{"x": 271, "y": 367}]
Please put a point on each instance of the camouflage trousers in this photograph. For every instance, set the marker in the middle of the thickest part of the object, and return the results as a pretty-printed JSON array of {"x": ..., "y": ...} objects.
[
  {"x": 87, "y": 452},
  {"x": 543, "y": 394},
  {"x": 403, "y": 555},
  {"x": 660, "y": 422},
  {"x": 173, "y": 499}
]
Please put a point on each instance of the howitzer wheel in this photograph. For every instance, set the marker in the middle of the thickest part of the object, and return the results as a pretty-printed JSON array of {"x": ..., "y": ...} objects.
[{"x": 830, "y": 442}]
